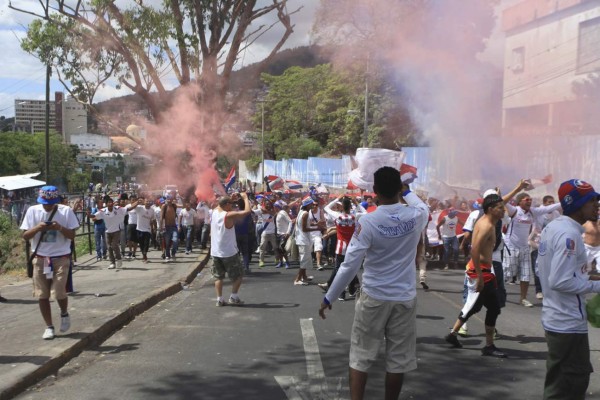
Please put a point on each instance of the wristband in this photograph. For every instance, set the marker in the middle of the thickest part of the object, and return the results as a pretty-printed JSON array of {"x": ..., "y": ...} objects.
[
  {"x": 405, "y": 192},
  {"x": 326, "y": 302}
]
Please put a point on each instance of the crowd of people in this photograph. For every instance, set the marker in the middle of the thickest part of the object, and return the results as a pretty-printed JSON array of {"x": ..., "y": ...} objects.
[{"x": 504, "y": 239}]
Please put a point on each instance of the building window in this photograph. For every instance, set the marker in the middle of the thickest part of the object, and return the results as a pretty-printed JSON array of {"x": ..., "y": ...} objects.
[
  {"x": 588, "y": 51},
  {"x": 518, "y": 59}
]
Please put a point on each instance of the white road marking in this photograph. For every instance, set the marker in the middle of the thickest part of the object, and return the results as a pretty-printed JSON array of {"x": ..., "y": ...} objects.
[{"x": 315, "y": 386}]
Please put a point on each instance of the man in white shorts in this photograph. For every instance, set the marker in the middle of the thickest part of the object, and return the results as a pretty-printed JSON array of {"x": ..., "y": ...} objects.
[
  {"x": 387, "y": 240},
  {"x": 304, "y": 240},
  {"x": 517, "y": 255}
]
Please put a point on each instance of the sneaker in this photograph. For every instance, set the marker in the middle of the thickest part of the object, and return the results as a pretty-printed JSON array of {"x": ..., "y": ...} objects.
[
  {"x": 492, "y": 351},
  {"x": 320, "y": 267},
  {"x": 48, "y": 333},
  {"x": 133, "y": 256},
  {"x": 279, "y": 265},
  {"x": 65, "y": 323},
  {"x": 463, "y": 331},
  {"x": 300, "y": 283},
  {"x": 235, "y": 302},
  {"x": 287, "y": 266},
  {"x": 323, "y": 286},
  {"x": 309, "y": 278},
  {"x": 425, "y": 286},
  {"x": 351, "y": 296},
  {"x": 453, "y": 340},
  {"x": 496, "y": 334},
  {"x": 221, "y": 303},
  {"x": 446, "y": 267},
  {"x": 539, "y": 296},
  {"x": 526, "y": 303},
  {"x": 342, "y": 298},
  {"x": 168, "y": 259},
  {"x": 261, "y": 264},
  {"x": 104, "y": 257},
  {"x": 111, "y": 266},
  {"x": 98, "y": 258},
  {"x": 119, "y": 263},
  {"x": 187, "y": 252}
]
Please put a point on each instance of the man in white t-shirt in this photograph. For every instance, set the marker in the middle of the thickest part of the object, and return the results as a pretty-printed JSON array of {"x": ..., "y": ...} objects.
[
  {"x": 54, "y": 224},
  {"x": 446, "y": 230},
  {"x": 186, "y": 223},
  {"x": 113, "y": 218},
  {"x": 386, "y": 240},
  {"x": 145, "y": 216},
  {"x": 517, "y": 254},
  {"x": 203, "y": 214}
]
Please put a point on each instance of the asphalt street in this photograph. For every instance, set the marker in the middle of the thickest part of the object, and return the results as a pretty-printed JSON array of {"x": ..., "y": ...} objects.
[{"x": 276, "y": 347}]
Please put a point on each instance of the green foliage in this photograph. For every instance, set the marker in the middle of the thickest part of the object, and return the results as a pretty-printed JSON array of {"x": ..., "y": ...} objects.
[
  {"x": 12, "y": 248},
  {"x": 25, "y": 153},
  {"x": 315, "y": 111}
]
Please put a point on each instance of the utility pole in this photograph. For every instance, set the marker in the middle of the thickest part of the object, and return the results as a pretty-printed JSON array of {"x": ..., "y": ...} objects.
[
  {"x": 366, "y": 122},
  {"x": 47, "y": 132},
  {"x": 262, "y": 135}
]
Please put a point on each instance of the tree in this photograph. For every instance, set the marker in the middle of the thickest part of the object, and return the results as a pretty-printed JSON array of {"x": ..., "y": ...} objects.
[
  {"x": 316, "y": 111},
  {"x": 199, "y": 41},
  {"x": 23, "y": 154}
]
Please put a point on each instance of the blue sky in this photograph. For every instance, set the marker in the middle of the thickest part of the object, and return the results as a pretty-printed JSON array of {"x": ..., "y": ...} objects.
[{"x": 22, "y": 76}]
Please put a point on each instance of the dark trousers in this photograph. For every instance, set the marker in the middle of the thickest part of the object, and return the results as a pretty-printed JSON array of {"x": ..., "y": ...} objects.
[
  {"x": 568, "y": 366},
  {"x": 354, "y": 284},
  {"x": 538, "y": 285},
  {"x": 144, "y": 240}
]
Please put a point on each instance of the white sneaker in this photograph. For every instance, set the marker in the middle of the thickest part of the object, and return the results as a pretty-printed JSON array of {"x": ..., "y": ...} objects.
[
  {"x": 119, "y": 263},
  {"x": 526, "y": 303},
  {"x": 539, "y": 296},
  {"x": 111, "y": 266},
  {"x": 48, "y": 334},
  {"x": 65, "y": 323}
]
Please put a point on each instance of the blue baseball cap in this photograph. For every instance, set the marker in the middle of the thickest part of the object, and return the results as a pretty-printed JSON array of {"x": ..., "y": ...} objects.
[
  {"x": 574, "y": 193},
  {"x": 48, "y": 195}
]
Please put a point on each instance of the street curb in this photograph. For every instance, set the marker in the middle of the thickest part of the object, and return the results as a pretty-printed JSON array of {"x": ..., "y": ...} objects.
[{"x": 101, "y": 334}]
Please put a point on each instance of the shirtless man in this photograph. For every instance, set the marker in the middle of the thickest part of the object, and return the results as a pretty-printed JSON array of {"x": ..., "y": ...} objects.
[
  {"x": 591, "y": 240},
  {"x": 481, "y": 280}
]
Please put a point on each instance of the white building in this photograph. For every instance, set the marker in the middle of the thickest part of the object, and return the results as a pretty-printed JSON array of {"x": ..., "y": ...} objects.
[
  {"x": 30, "y": 115},
  {"x": 74, "y": 119},
  {"x": 91, "y": 142},
  {"x": 552, "y": 48}
]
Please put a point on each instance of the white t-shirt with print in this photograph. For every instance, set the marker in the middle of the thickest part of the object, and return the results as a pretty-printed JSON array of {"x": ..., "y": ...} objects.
[
  {"x": 54, "y": 242},
  {"x": 144, "y": 218},
  {"x": 113, "y": 219}
]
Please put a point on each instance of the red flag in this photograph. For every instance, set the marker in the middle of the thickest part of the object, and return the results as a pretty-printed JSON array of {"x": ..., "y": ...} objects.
[{"x": 408, "y": 173}]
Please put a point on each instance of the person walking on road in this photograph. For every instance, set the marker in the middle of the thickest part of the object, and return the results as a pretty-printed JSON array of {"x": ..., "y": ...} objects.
[
  {"x": 481, "y": 281},
  {"x": 387, "y": 240},
  {"x": 51, "y": 228},
  {"x": 562, "y": 265},
  {"x": 224, "y": 250},
  {"x": 304, "y": 241}
]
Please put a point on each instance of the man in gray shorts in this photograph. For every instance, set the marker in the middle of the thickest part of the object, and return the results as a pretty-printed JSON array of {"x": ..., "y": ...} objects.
[
  {"x": 386, "y": 309},
  {"x": 224, "y": 250}
]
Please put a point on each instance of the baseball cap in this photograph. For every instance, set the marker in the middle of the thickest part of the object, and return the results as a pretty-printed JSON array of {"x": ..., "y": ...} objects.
[
  {"x": 307, "y": 201},
  {"x": 48, "y": 195},
  {"x": 574, "y": 193},
  {"x": 488, "y": 192}
]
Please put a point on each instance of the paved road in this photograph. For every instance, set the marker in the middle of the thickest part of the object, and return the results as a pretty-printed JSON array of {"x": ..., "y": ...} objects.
[{"x": 276, "y": 347}]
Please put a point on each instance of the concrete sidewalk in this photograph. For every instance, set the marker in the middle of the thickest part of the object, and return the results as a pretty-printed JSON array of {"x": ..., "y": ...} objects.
[{"x": 103, "y": 302}]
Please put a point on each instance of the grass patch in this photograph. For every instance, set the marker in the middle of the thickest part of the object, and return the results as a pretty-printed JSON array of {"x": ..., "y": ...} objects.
[{"x": 12, "y": 246}]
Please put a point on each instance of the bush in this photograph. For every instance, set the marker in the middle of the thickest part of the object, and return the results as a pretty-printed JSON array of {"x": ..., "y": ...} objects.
[{"x": 12, "y": 246}]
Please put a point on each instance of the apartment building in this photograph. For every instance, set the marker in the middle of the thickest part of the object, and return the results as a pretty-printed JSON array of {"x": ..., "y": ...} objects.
[{"x": 551, "y": 59}]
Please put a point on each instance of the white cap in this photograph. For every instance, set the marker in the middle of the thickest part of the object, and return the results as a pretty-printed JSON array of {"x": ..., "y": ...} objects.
[{"x": 488, "y": 192}]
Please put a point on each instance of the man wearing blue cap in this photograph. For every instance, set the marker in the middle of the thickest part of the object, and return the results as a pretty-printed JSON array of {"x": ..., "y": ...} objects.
[
  {"x": 51, "y": 228},
  {"x": 562, "y": 264}
]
